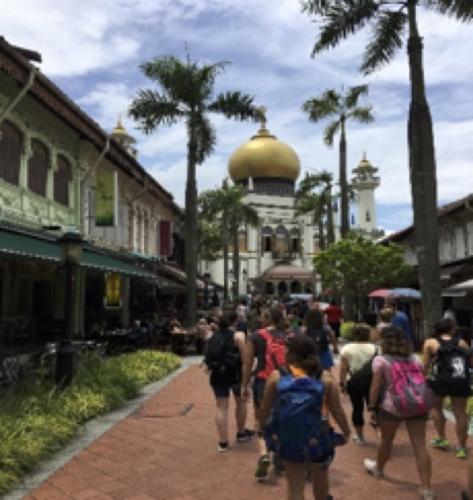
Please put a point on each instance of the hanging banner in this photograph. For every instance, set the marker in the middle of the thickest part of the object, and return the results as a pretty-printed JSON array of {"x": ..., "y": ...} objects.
[
  {"x": 164, "y": 238},
  {"x": 106, "y": 198},
  {"x": 113, "y": 288}
]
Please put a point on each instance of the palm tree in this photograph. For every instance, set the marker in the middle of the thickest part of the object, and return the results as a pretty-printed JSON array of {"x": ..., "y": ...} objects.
[
  {"x": 227, "y": 206},
  {"x": 318, "y": 202},
  {"x": 342, "y": 107},
  {"x": 187, "y": 93},
  {"x": 390, "y": 19}
]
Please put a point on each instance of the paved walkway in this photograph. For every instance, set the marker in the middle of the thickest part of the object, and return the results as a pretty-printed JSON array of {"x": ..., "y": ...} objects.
[{"x": 167, "y": 451}]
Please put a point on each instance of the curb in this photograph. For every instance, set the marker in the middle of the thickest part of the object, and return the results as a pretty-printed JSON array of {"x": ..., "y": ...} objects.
[{"x": 91, "y": 431}]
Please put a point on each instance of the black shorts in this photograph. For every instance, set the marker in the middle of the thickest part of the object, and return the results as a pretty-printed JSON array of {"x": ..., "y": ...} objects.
[
  {"x": 223, "y": 388},
  {"x": 442, "y": 390},
  {"x": 258, "y": 391}
]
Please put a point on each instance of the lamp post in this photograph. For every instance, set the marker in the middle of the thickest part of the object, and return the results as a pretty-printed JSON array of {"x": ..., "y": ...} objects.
[
  {"x": 245, "y": 282},
  {"x": 71, "y": 246},
  {"x": 231, "y": 275}
]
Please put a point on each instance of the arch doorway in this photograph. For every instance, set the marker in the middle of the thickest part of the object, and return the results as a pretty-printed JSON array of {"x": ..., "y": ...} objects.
[
  {"x": 269, "y": 288},
  {"x": 308, "y": 288},
  {"x": 282, "y": 288},
  {"x": 296, "y": 287}
]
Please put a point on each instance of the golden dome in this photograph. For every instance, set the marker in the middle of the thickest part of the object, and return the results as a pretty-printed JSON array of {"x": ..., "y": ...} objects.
[{"x": 264, "y": 156}]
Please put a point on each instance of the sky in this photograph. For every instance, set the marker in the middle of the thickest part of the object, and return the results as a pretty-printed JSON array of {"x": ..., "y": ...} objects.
[{"x": 92, "y": 50}]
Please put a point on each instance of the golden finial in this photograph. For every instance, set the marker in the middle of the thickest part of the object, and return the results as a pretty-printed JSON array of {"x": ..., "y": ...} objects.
[{"x": 262, "y": 112}]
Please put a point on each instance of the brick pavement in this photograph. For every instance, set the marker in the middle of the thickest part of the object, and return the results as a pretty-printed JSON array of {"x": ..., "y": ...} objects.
[{"x": 167, "y": 450}]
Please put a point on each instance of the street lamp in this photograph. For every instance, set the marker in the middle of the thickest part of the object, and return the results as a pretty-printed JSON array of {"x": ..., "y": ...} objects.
[{"x": 71, "y": 248}]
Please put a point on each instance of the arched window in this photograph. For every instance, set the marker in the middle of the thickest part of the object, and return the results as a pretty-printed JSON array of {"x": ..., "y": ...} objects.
[
  {"x": 282, "y": 288},
  {"x": 295, "y": 240},
  {"x": 269, "y": 288},
  {"x": 38, "y": 165},
  {"x": 62, "y": 177},
  {"x": 282, "y": 241},
  {"x": 308, "y": 288},
  {"x": 11, "y": 143},
  {"x": 296, "y": 287},
  {"x": 266, "y": 239}
]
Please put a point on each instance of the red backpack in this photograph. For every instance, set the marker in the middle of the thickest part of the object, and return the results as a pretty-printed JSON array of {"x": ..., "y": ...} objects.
[{"x": 275, "y": 353}]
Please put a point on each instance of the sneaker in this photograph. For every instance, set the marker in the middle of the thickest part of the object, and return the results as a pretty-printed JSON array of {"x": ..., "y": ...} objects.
[
  {"x": 359, "y": 440},
  {"x": 372, "y": 468},
  {"x": 462, "y": 453},
  {"x": 262, "y": 467},
  {"x": 246, "y": 435},
  {"x": 222, "y": 447},
  {"x": 440, "y": 444},
  {"x": 426, "y": 494}
]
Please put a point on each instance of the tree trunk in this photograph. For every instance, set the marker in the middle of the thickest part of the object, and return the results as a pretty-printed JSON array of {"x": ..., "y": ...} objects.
[
  {"x": 329, "y": 210},
  {"x": 236, "y": 263},
  {"x": 423, "y": 181},
  {"x": 322, "y": 245},
  {"x": 225, "y": 272},
  {"x": 344, "y": 209},
  {"x": 191, "y": 228}
]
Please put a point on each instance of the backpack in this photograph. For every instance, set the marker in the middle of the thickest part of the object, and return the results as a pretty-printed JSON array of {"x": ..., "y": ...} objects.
[
  {"x": 275, "y": 353},
  {"x": 297, "y": 430},
  {"x": 451, "y": 368},
  {"x": 221, "y": 355},
  {"x": 360, "y": 381},
  {"x": 320, "y": 337},
  {"x": 408, "y": 394}
]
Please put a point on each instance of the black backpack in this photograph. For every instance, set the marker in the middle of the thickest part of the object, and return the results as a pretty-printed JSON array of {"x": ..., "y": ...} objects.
[
  {"x": 451, "y": 367},
  {"x": 320, "y": 337},
  {"x": 221, "y": 353},
  {"x": 360, "y": 381}
]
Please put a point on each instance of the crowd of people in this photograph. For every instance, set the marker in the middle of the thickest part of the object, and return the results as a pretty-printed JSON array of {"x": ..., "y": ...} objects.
[{"x": 283, "y": 356}]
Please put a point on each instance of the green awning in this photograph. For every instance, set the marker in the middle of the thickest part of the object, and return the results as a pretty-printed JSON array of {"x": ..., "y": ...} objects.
[
  {"x": 22, "y": 245},
  {"x": 104, "y": 262}
]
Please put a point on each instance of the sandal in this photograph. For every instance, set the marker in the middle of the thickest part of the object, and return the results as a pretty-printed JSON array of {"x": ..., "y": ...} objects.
[{"x": 262, "y": 467}]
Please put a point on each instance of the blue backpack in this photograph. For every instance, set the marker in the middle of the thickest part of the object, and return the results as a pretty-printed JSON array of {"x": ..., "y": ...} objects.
[{"x": 297, "y": 430}]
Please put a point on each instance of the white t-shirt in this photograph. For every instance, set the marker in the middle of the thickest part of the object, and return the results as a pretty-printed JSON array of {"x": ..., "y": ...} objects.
[{"x": 357, "y": 354}]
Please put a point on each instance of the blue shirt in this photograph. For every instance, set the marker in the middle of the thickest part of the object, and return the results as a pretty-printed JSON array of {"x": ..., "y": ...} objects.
[{"x": 401, "y": 320}]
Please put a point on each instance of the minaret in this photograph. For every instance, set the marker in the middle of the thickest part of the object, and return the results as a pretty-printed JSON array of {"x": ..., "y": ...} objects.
[
  {"x": 121, "y": 136},
  {"x": 364, "y": 183}
]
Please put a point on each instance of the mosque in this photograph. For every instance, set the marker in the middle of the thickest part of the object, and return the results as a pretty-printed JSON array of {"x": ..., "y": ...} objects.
[{"x": 276, "y": 258}]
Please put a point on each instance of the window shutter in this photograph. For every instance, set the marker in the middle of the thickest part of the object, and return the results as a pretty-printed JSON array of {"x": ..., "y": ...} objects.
[
  {"x": 62, "y": 177},
  {"x": 164, "y": 238},
  {"x": 38, "y": 166},
  {"x": 10, "y": 153}
]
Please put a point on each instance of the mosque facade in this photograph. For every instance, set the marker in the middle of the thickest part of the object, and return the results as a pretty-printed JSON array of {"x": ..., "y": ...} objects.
[{"x": 276, "y": 258}]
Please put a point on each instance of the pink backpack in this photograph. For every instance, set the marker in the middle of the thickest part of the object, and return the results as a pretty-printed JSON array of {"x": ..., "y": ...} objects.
[{"x": 408, "y": 395}]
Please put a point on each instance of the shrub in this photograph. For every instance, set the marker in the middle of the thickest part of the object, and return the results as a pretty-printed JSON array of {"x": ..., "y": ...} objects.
[
  {"x": 37, "y": 419},
  {"x": 346, "y": 329}
]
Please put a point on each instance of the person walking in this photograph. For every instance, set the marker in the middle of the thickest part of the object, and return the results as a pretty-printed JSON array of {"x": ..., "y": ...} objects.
[
  {"x": 322, "y": 335},
  {"x": 356, "y": 374},
  {"x": 299, "y": 400},
  {"x": 225, "y": 357},
  {"x": 447, "y": 362},
  {"x": 266, "y": 347},
  {"x": 334, "y": 315},
  {"x": 399, "y": 393}
]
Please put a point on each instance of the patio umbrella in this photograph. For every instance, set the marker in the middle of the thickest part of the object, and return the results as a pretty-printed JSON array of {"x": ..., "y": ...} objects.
[
  {"x": 381, "y": 293},
  {"x": 405, "y": 293}
]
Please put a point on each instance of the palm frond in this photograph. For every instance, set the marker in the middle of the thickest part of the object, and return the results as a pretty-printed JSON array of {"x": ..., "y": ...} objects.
[
  {"x": 330, "y": 131},
  {"x": 341, "y": 19},
  {"x": 386, "y": 40},
  {"x": 461, "y": 9},
  {"x": 234, "y": 105},
  {"x": 205, "y": 78},
  {"x": 353, "y": 94},
  {"x": 321, "y": 107},
  {"x": 152, "y": 109},
  {"x": 205, "y": 137},
  {"x": 362, "y": 114}
]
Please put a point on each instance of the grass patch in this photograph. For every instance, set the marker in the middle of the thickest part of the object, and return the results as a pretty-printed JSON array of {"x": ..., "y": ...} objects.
[{"x": 36, "y": 419}]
